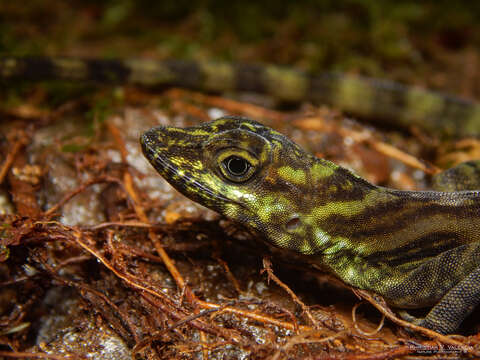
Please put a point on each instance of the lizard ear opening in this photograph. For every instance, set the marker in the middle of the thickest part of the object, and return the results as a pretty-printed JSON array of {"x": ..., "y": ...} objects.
[{"x": 293, "y": 223}]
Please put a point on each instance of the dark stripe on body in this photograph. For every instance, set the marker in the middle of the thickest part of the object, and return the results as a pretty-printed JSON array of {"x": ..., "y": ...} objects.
[
  {"x": 348, "y": 187},
  {"x": 420, "y": 249},
  {"x": 377, "y": 219}
]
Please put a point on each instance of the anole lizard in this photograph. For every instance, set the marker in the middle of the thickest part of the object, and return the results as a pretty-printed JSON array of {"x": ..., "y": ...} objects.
[{"x": 414, "y": 248}]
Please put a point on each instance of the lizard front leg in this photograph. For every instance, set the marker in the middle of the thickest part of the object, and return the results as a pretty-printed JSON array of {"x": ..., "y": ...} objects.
[{"x": 447, "y": 315}]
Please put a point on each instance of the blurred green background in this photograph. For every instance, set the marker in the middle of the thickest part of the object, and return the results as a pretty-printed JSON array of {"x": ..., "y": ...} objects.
[{"x": 431, "y": 43}]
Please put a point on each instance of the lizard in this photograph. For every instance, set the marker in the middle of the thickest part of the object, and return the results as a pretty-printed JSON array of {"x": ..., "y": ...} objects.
[
  {"x": 377, "y": 99},
  {"x": 417, "y": 249}
]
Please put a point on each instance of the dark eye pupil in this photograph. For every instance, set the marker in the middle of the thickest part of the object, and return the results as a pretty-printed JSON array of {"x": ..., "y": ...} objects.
[{"x": 237, "y": 166}]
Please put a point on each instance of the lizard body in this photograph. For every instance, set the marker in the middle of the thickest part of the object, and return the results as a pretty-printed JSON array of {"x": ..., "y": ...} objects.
[
  {"x": 398, "y": 105},
  {"x": 415, "y": 248}
]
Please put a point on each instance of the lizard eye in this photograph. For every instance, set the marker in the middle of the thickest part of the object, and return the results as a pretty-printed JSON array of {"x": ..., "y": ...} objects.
[{"x": 236, "y": 168}]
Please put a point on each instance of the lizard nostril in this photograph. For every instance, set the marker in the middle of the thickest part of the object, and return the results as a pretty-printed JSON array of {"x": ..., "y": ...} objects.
[
  {"x": 154, "y": 138},
  {"x": 292, "y": 224}
]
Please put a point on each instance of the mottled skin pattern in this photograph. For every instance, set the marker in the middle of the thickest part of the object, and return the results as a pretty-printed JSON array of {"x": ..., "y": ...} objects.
[
  {"x": 416, "y": 249},
  {"x": 376, "y": 99}
]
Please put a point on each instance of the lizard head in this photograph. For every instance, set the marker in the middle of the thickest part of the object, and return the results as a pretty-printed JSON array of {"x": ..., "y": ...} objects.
[{"x": 243, "y": 170}]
